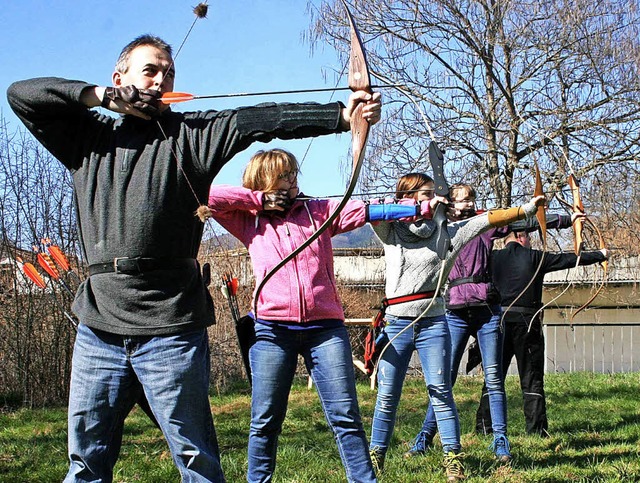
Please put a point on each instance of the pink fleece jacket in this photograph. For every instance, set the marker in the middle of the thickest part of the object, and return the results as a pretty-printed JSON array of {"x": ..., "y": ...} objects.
[{"x": 304, "y": 289}]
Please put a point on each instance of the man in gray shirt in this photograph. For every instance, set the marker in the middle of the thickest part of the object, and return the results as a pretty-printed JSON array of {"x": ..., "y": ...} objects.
[{"x": 144, "y": 309}]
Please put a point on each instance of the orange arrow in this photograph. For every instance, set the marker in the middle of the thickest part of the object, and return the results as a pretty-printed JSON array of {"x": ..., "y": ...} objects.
[{"x": 175, "y": 97}]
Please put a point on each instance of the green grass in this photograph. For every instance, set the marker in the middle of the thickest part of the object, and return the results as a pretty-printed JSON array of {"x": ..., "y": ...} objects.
[{"x": 594, "y": 425}]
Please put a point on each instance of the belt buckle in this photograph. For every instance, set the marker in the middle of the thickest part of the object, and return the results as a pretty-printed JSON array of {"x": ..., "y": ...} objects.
[{"x": 133, "y": 265}]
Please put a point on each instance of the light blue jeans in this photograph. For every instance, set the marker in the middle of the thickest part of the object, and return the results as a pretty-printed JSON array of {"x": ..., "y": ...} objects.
[
  {"x": 484, "y": 324},
  {"x": 430, "y": 337},
  {"x": 108, "y": 374},
  {"x": 327, "y": 355}
]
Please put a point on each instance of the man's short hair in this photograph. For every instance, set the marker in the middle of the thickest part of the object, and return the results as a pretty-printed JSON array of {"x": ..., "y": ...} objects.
[{"x": 122, "y": 65}]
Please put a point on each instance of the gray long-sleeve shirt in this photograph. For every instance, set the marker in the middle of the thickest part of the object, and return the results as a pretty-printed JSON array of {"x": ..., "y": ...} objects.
[{"x": 137, "y": 185}]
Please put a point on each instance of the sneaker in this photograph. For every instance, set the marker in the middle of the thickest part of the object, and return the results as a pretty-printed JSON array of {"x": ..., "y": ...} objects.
[
  {"x": 500, "y": 447},
  {"x": 377, "y": 459},
  {"x": 453, "y": 466},
  {"x": 420, "y": 445}
]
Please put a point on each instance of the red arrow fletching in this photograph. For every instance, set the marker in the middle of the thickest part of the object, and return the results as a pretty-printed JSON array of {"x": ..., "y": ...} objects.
[
  {"x": 31, "y": 272},
  {"x": 59, "y": 257},
  {"x": 173, "y": 97},
  {"x": 47, "y": 264}
]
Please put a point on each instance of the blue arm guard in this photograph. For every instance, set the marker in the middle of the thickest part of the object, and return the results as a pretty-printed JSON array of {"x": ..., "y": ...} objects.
[{"x": 389, "y": 212}]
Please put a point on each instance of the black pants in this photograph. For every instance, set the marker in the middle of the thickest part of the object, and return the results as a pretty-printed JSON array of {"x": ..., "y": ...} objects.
[{"x": 528, "y": 348}]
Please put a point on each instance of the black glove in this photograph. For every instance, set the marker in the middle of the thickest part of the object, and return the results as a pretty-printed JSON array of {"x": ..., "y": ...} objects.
[
  {"x": 276, "y": 199},
  {"x": 144, "y": 100}
]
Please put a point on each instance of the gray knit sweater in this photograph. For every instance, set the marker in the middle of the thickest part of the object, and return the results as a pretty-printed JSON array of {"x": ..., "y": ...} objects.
[{"x": 412, "y": 263}]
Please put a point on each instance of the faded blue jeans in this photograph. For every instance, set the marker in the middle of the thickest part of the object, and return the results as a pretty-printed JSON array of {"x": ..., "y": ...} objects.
[
  {"x": 327, "y": 356},
  {"x": 430, "y": 337},
  {"x": 108, "y": 374},
  {"x": 484, "y": 323}
]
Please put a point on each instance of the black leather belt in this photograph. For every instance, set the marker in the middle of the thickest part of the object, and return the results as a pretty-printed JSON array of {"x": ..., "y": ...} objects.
[
  {"x": 138, "y": 265},
  {"x": 472, "y": 279}
]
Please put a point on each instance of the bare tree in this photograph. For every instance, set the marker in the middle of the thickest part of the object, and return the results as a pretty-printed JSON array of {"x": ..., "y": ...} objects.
[
  {"x": 503, "y": 83},
  {"x": 35, "y": 334}
]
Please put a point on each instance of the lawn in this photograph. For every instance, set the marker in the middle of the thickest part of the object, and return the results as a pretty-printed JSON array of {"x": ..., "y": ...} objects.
[{"x": 594, "y": 426}]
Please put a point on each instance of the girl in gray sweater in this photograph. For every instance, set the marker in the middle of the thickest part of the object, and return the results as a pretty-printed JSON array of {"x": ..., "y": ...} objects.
[{"x": 412, "y": 266}]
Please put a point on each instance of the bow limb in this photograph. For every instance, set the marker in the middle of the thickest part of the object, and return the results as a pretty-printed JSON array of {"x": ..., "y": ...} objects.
[
  {"x": 359, "y": 79},
  {"x": 443, "y": 239},
  {"x": 578, "y": 225},
  {"x": 542, "y": 221},
  {"x": 604, "y": 264},
  {"x": 576, "y": 207},
  {"x": 541, "y": 213},
  {"x": 601, "y": 244}
]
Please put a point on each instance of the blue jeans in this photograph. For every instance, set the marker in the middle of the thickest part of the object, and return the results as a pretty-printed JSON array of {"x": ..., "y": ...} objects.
[
  {"x": 327, "y": 355},
  {"x": 484, "y": 324},
  {"x": 430, "y": 337},
  {"x": 108, "y": 375}
]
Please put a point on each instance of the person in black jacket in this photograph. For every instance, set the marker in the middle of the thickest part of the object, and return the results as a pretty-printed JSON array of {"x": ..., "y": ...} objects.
[
  {"x": 513, "y": 268},
  {"x": 138, "y": 180}
]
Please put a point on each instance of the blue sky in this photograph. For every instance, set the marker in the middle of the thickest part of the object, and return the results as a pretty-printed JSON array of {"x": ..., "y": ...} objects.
[{"x": 242, "y": 46}]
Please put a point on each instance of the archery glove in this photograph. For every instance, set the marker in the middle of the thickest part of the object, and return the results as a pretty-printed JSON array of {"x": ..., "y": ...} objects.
[
  {"x": 276, "y": 199},
  {"x": 144, "y": 100}
]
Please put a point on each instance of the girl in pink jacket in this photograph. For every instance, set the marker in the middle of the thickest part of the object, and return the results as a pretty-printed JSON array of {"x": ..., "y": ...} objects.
[{"x": 299, "y": 310}]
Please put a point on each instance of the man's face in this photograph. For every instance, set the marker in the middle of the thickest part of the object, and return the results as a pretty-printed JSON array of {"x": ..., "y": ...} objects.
[{"x": 149, "y": 68}]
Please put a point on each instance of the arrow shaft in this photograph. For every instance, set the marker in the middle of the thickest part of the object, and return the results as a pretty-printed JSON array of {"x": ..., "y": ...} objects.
[{"x": 175, "y": 97}]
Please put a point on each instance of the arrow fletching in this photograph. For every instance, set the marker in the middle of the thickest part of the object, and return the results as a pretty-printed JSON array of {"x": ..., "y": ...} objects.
[
  {"x": 31, "y": 272},
  {"x": 58, "y": 256},
  {"x": 201, "y": 10},
  {"x": 47, "y": 264},
  {"x": 175, "y": 97}
]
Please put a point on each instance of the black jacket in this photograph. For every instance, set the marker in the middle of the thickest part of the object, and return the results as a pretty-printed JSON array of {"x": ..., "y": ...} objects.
[{"x": 514, "y": 266}]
